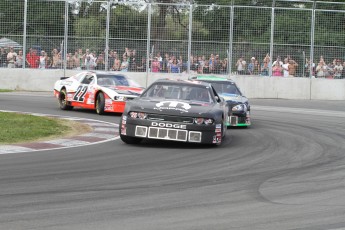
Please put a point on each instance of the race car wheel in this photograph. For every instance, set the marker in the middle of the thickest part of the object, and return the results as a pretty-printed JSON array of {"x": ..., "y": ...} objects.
[
  {"x": 130, "y": 140},
  {"x": 100, "y": 104},
  {"x": 63, "y": 101}
]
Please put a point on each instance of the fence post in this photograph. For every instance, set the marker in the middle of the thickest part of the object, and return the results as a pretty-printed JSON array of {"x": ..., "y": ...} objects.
[
  {"x": 24, "y": 32},
  {"x": 190, "y": 36},
  {"x": 149, "y": 11},
  {"x": 65, "y": 40},
  {"x": 312, "y": 38},
  {"x": 231, "y": 38},
  {"x": 106, "y": 51},
  {"x": 272, "y": 39}
]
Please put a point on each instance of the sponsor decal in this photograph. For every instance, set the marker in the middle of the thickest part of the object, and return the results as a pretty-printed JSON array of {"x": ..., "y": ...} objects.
[
  {"x": 173, "y": 105},
  {"x": 69, "y": 97},
  {"x": 218, "y": 126},
  {"x": 124, "y": 118},
  {"x": 168, "y": 125},
  {"x": 218, "y": 130},
  {"x": 214, "y": 140},
  {"x": 108, "y": 101}
]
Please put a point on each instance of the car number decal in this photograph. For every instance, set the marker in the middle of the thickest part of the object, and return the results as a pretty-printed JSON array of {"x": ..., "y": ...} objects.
[
  {"x": 173, "y": 105},
  {"x": 80, "y": 94}
]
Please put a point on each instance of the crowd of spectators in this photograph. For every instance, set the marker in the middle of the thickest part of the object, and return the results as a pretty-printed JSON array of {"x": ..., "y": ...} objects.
[{"x": 168, "y": 63}]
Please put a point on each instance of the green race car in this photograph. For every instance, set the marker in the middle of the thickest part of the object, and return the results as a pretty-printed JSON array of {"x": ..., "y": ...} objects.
[{"x": 239, "y": 107}]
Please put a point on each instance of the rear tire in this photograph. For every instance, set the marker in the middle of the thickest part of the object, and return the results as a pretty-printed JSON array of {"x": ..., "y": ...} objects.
[
  {"x": 63, "y": 100},
  {"x": 130, "y": 140},
  {"x": 100, "y": 104}
]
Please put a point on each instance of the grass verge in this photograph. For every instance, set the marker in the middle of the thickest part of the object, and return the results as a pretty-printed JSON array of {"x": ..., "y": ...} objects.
[
  {"x": 5, "y": 90},
  {"x": 21, "y": 128}
]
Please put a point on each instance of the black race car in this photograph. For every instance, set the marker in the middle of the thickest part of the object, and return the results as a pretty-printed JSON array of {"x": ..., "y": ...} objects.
[
  {"x": 239, "y": 107},
  {"x": 175, "y": 110}
]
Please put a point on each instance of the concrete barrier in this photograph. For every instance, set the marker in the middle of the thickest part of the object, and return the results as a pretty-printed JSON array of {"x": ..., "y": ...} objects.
[{"x": 251, "y": 86}]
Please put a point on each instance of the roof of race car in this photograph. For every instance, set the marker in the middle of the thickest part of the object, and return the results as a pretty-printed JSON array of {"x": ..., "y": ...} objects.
[
  {"x": 181, "y": 81},
  {"x": 211, "y": 78}
]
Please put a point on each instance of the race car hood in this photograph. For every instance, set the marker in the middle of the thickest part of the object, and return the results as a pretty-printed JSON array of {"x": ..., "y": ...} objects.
[
  {"x": 234, "y": 98},
  {"x": 171, "y": 107}
]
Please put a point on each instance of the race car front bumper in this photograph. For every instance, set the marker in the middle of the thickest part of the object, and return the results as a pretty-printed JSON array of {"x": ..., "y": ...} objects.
[
  {"x": 206, "y": 134},
  {"x": 239, "y": 119}
]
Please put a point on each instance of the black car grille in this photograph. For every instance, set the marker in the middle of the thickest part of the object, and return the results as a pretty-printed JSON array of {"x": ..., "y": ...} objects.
[{"x": 158, "y": 117}]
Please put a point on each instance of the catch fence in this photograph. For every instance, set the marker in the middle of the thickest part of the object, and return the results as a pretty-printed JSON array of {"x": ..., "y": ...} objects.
[{"x": 180, "y": 37}]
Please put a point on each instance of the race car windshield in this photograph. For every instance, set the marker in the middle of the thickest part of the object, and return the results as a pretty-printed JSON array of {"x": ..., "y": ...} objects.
[
  {"x": 115, "y": 80},
  {"x": 178, "y": 92},
  {"x": 226, "y": 88}
]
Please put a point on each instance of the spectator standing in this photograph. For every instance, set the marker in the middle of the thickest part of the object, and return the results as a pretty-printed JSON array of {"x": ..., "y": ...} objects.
[
  {"x": 32, "y": 59},
  {"x": 156, "y": 66},
  {"x": 174, "y": 67},
  {"x": 124, "y": 64},
  {"x": 285, "y": 67},
  {"x": 278, "y": 60},
  {"x": 338, "y": 69},
  {"x": 307, "y": 68},
  {"x": 251, "y": 66},
  {"x": 225, "y": 66},
  {"x": 166, "y": 63},
  {"x": 43, "y": 60},
  {"x": 117, "y": 63},
  {"x": 3, "y": 58},
  {"x": 111, "y": 59},
  {"x": 81, "y": 58},
  {"x": 142, "y": 66},
  {"x": 201, "y": 64},
  {"x": 292, "y": 68},
  {"x": 321, "y": 69},
  {"x": 100, "y": 62},
  {"x": 19, "y": 59},
  {"x": 70, "y": 61},
  {"x": 90, "y": 62},
  {"x": 241, "y": 66},
  {"x": 343, "y": 72},
  {"x": 257, "y": 68},
  {"x": 133, "y": 61},
  {"x": 57, "y": 61},
  {"x": 11, "y": 58},
  {"x": 277, "y": 70},
  {"x": 265, "y": 66}
]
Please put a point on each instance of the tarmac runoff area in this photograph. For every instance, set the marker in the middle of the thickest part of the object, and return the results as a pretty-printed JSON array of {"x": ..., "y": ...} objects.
[{"x": 101, "y": 132}]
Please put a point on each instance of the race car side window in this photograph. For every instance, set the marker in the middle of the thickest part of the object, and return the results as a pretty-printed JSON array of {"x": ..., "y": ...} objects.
[{"x": 87, "y": 80}]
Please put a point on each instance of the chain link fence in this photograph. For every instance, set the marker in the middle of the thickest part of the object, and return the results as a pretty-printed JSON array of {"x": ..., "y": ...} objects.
[{"x": 261, "y": 38}]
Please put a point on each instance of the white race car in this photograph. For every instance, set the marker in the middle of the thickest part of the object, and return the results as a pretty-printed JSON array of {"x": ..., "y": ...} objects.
[{"x": 101, "y": 91}]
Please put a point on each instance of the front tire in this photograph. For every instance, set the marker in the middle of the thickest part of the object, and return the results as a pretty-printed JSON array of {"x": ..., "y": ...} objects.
[
  {"x": 130, "y": 140},
  {"x": 100, "y": 104},
  {"x": 63, "y": 100}
]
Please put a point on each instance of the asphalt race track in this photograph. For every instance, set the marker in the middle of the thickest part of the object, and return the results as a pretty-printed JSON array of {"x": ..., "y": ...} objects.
[{"x": 287, "y": 171}]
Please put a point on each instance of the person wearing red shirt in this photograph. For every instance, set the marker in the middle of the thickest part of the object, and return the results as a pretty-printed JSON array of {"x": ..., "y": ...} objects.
[{"x": 32, "y": 59}]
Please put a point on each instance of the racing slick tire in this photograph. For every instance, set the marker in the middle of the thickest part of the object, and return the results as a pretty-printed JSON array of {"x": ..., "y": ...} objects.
[
  {"x": 100, "y": 104},
  {"x": 63, "y": 101},
  {"x": 130, "y": 140}
]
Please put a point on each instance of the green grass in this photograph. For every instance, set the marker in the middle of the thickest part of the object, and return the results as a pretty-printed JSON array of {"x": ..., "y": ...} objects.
[
  {"x": 5, "y": 90},
  {"x": 19, "y": 128}
]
